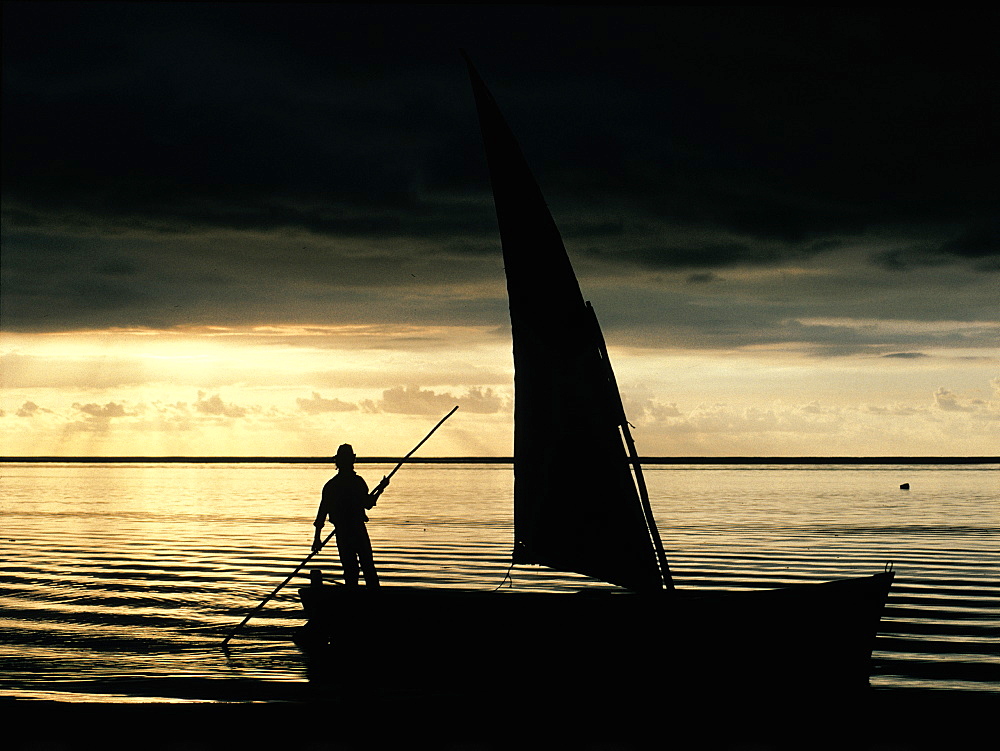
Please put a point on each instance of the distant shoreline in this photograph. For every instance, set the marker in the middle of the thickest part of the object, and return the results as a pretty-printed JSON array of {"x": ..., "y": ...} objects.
[{"x": 647, "y": 460}]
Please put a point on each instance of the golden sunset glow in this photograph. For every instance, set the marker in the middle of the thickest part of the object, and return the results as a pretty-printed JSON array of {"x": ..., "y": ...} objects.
[{"x": 301, "y": 390}]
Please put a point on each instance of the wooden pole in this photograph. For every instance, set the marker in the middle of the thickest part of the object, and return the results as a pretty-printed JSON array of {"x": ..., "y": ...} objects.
[
  {"x": 277, "y": 589},
  {"x": 453, "y": 410}
]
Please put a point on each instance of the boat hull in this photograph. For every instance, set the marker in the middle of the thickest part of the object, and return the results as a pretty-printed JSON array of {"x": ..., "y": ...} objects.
[{"x": 807, "y": 637}]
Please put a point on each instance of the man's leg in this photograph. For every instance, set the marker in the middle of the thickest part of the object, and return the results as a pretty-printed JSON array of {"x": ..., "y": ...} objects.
[
  {"x": 367, "y": 559},
  {"x": 348, "y": 559}
]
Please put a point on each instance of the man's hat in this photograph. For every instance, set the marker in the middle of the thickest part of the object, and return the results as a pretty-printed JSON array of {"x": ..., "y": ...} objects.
[{"x": 345, "y": 453}]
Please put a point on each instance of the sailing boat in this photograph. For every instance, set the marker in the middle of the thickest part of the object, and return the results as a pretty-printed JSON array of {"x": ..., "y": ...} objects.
[{"x": 580, "y": 505}]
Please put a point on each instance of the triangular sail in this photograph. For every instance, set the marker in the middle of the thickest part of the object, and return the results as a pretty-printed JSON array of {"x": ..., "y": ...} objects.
[{"x": 576, "y": 507}]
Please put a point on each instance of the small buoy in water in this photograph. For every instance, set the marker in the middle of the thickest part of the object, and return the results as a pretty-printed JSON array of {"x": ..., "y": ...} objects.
[{"x": 905, "y": 486}]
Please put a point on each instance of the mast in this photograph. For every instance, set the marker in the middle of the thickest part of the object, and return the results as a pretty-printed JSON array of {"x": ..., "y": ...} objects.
[
  {"x": 576, "y": 504},
  {"x": 640, "y": 480}
]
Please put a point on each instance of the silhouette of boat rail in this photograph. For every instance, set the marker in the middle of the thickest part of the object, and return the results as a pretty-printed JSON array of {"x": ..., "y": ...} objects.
[{"x": 580, "y": 505}]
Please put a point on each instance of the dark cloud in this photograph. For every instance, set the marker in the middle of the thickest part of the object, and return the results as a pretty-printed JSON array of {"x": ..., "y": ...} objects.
[
  {"x": 214, "y": 405},
  {"x": 949, "y": 401},
  {"x": 251, "y": 162},
  {"x": 687, "y": 255},
  {"x": 316, "y": 404},
  {"x": 29, "y": 409},
  {"x": 97, "y": 417},
  {"x": 813, "y": 314},
  {"x": 413, "y": 400},
  {"x": 102, "y": 412},
  {"x": 977, "y": 244}
]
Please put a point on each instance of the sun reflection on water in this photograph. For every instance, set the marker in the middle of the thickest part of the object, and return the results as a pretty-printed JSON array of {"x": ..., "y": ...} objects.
[{"x": 118, "y": 581}]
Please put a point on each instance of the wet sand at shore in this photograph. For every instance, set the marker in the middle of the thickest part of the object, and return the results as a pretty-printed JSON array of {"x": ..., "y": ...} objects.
[{"x": 896, "y": 720}]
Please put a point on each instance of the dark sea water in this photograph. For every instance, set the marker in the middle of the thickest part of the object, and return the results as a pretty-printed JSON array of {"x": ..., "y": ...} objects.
[{"x": 119, "y": 581}]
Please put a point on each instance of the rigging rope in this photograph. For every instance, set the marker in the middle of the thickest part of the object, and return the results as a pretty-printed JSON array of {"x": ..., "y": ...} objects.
[{"x": 506, "y": 577}]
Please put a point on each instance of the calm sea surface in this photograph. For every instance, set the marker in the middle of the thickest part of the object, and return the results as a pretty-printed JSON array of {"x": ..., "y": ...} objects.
[{"x": 119, "y": 581}]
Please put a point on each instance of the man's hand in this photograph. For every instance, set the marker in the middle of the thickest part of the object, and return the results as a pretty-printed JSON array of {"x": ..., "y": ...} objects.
[
  {"x": 373, "y": 496},
  {"x": 317, "y": 543}
]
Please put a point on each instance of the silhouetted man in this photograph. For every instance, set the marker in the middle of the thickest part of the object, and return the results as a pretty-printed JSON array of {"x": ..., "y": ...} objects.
[{"x": 345, "y": 500}]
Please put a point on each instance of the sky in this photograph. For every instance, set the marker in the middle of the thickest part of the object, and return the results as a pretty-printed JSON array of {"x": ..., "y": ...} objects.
[{"x": 254, "y": 229}]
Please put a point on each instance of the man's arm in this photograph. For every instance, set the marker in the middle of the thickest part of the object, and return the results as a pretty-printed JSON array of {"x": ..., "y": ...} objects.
[
  {"x": 317, "y": 538},
  {"x": 321, "y": 515}
]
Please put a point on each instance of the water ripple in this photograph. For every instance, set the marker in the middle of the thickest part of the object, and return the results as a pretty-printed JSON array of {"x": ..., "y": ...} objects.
[{"x": 107, "y": 595}]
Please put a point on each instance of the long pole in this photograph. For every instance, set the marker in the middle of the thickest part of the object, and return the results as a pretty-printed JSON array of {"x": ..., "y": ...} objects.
[
  {"x": 308, "y": 558},
  {"x": 640, "y": 480},
  {"x": 440, "y": 423},
  {"x": 275, "y": 591}
]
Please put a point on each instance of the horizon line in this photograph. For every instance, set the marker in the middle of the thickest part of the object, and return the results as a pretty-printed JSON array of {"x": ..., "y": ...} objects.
[{"x": 652, "y": 460}]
